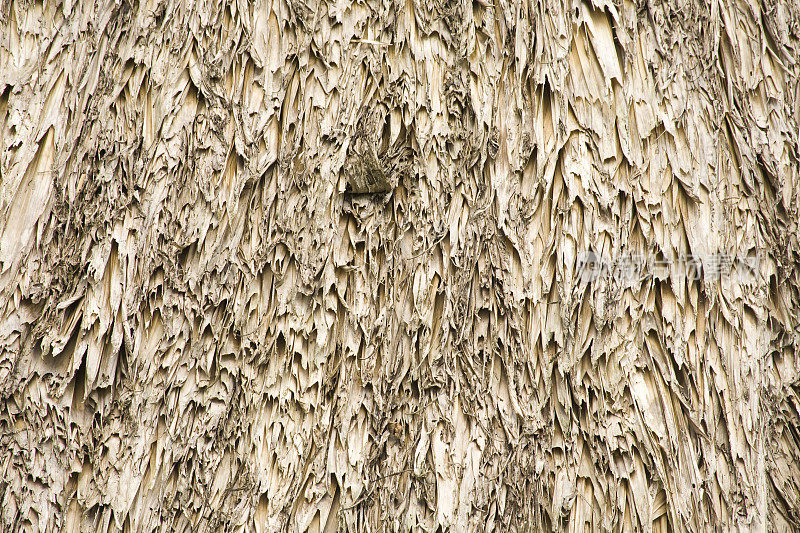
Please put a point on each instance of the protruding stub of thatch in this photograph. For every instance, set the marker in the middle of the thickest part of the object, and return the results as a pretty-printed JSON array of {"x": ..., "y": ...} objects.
[
  {"x": 365, "y": 167},
  {"x": 362, "y": 168}
]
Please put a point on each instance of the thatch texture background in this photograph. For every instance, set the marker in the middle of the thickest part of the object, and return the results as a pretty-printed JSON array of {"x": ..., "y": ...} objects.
[{"x": 287, "y": 266}]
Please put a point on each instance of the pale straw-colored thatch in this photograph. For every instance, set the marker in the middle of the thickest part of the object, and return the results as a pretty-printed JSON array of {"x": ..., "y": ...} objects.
[{"x": 288, "y": 266}]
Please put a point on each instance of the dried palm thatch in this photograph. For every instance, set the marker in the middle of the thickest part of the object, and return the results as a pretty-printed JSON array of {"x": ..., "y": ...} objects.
[{"x": 287, "y": 266}]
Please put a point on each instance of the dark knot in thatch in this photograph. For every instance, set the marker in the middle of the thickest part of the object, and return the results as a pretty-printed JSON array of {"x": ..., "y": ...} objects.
[{"x": 363, "y": 169}]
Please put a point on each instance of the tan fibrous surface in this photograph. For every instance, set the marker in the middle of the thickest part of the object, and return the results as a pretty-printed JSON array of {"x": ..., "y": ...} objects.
[{"x": 203, "y": 329}]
